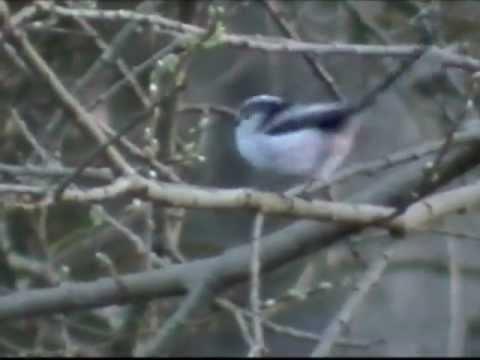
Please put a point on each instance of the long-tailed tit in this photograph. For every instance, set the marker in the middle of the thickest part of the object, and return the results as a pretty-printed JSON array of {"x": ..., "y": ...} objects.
[{"x": 308, "y": 140}]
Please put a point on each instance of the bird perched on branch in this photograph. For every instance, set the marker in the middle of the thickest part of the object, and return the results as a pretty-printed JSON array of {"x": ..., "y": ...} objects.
[{"x": 308, "y": 140}]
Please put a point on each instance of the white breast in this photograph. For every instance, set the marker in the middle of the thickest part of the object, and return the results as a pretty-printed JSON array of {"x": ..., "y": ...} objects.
[{"x": 301, "y": 153}]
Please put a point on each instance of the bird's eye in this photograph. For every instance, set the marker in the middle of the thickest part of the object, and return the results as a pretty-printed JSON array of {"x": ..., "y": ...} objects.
[{"x": 242, "y": 115}]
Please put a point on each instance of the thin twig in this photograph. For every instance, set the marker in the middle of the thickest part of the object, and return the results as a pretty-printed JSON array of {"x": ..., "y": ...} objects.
[
  {"x": 83, "y": 119},
  {"x": 332, "y": 333},
  {"x": 164, "y": 340},
  {"x": 258, "y": 347},
  {"x": 456, "y": 329},
  {"x": 239, "y": 317},
  {"x": 131, "y": 124},
  {"x": 98, "y": 174},
  {"x": 44, "y": 155},
  {"x": 265, "y": 43},
  {"x": 317, "y": 69},
  {"x": 121, "y": 64}
]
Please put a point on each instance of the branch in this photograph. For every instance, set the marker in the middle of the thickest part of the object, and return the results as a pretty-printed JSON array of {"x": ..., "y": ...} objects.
[
  {"x": 188, "y": 196},
  {"x": 82, "y": 118},
  {"x": 164, "y": 340},
  {"x": 333, "y": 331},
  {"x": 416, "y": 215},
  {"x": 457, "y": 319},
  {"x": 317, "y": 69},
  {"x": 266, "y": 43},
  {"x": 99, "y": 174},
  {"x": 370, "y": 168},
  {"x": 257, "y": 348},
  {"x": 279, "y": 248}
]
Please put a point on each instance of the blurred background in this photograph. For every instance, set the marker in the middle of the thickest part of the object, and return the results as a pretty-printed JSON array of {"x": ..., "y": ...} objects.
[{"x": 407, "y": 313}]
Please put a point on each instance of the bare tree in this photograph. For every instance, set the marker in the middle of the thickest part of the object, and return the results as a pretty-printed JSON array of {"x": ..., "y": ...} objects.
[{"x": 131, "y": 226}]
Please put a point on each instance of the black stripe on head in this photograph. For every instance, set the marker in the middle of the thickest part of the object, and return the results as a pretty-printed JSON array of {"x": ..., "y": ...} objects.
[{"x": 267, "y": 105}]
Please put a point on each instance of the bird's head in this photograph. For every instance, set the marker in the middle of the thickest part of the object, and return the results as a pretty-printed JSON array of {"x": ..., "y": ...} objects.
[{"x": 261, "y": 107}]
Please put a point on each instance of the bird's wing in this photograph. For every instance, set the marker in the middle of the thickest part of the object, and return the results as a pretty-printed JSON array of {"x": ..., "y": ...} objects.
[{"x": 329, "y": 117}]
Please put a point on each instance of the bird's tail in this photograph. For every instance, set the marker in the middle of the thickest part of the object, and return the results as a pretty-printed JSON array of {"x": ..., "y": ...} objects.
[{"x": 372, "y": 95}]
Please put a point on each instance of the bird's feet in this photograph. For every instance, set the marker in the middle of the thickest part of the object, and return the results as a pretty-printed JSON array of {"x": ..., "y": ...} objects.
[{"x": 309, "y": 191}]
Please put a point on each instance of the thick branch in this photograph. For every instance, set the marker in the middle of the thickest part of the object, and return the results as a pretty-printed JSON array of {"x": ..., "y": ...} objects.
[{"x": 293, "y": 242}]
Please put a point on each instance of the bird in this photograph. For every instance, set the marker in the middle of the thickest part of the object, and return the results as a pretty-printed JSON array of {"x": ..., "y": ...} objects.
[{"x": 309, "y": 140}]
